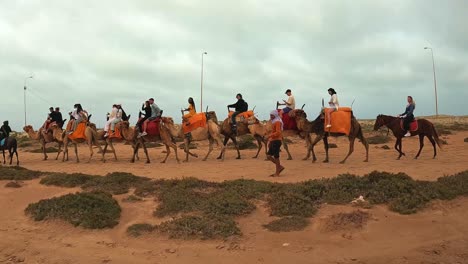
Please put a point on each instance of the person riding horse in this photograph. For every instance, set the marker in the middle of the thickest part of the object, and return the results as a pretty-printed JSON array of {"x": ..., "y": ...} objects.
[
  {"x": 408, "y": 116},
  {"x": 5, "y": 129}
]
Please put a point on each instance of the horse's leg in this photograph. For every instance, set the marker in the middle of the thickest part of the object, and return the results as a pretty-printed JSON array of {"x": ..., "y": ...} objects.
[
  {"x": 210, "y": 148},
  {"x": 325, "y": 143},
  {"x": 433, "y": 145},
  {"x": 351, "y": 149},
  {"x": 259, "y": 143},
  {"x": 11, "y": 154},
  {"x": 421, "y": 145},
  {"x": 223, "y": 149},
  {"x": 3, "y": 151},
  {"x": 16, "y": 152},
  {"x": 399, "y": 148}
]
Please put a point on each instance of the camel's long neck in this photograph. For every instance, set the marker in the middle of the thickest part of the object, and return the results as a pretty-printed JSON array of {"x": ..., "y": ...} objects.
[
  {"x": 33, "y": 134},
  {"x": 57, "y": 134},
  {"x": 128, "y": 133}
]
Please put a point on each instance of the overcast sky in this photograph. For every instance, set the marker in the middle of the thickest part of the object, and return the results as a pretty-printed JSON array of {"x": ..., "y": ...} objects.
[{"x": 102, "y": 52}]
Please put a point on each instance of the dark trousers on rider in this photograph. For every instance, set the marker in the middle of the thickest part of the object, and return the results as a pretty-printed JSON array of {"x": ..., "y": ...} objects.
[
  {"x": 233, "y": 118},
  {"x": 407, "y": 121},
  {"x": 140, "y": 123}
]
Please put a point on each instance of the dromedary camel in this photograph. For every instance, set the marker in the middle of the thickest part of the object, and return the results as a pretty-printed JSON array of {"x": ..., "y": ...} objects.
[
  {"x": 210, "y": 132},
  {"x": 167, "y": 131},
  {"x": 54, "y": 135},
  {"x": 250, "y": 126},
  {"x": 91, "y": 138},
  {"x": 317, "y": 127},
  {"x": 128, "y": 135}
]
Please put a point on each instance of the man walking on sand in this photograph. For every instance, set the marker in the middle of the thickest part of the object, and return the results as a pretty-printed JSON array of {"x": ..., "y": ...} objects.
[{"x": 274, "y": 142}]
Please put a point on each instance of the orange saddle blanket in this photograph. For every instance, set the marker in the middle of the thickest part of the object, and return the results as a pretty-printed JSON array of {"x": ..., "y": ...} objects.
[
  {"x": 412, "y": 127},
  {"x": 116, "y": 134},
  {"x": 340, "y": 120},
  {"x": 79, "y": 132},
  {"x": 242, "y": 116},
  {"x": 194, "y": 122}
]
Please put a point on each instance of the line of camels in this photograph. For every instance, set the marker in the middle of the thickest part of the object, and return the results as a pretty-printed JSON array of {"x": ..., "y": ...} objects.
[{"x": 214, "y": 131}]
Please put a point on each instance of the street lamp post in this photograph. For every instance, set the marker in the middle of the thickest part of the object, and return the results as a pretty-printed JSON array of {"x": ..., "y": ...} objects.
[
  {"x": 25, "y": 79},
  {"x": 435, "y": 82},
  {"x": 201, "y": 81}
]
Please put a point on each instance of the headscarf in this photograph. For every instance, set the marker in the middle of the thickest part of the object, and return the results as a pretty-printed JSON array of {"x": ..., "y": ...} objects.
[{"x": 277, "y": 118}]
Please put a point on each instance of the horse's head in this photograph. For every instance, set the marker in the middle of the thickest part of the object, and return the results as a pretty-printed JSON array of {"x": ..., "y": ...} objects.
[{"x": 379, "y": 122}]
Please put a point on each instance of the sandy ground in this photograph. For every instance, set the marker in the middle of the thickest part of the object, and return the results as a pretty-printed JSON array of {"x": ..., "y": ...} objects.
[{"x": 438, "y": 234}]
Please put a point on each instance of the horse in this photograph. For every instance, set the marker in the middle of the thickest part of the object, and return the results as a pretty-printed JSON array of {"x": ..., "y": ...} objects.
[
  {"x": 11, "y": 145},
  {"x": 425, "y": 129}
]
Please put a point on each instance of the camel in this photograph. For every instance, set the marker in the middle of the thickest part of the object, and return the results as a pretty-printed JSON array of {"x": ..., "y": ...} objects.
[
  {"x": 317, "y": 127},
  {"x": 250, "y": 126},
  {"x": 128, "y": 135},
  {"x": 54, "y": 135},
  {"x": 210, "y": 132},
  {"x": 167, "y": 131},
  {"x": 91, "y": 138}
]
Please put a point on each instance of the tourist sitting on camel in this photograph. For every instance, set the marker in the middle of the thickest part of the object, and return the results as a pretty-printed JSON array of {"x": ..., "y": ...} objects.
[
  {"x": 57, "y": 117},
  {"x": 290, "y": 103},
  {"x": 78, "y": 115},
  {"x": 49, "y": 118},
  {"x": 190, "y": 109},
  {"x": 239, "y": 107},
  {"x": 112, "y": 116},
  {"x": 155, "y": 113},
  {"x": 147, "y": 108},
  {"x": 333, "y": 105},
  {"x": 408, "y": 115}
]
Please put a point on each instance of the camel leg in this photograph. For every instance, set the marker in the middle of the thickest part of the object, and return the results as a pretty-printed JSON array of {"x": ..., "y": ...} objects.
[
  {"x": 210, "y": 148},
  {"x": 366, "y": 145},
  {"x": 76, "y": 152},
  {"x": 112, "y": 148},
  {"x": 325, "y": 144},
  {"x": 168, "y": 151},
  {"x": 259, "y": 143},
  {"x": 59, "y": 150},
  {"x": 351, "y": 149},
  {"x": 135, "y": 151},
  {"x": 146, "y": 152},
  {"x": 287, "y": 149},
  {"x": 421, "y": 145},
  {"x": 433, "y": 145},
  {"x": 311, "y": 148},
  {"x": 43, "y": 143},
  {"x": 223, "y": 149},
  {"x": 234, "y": 139},
  {"x": 187, "y": 149}
]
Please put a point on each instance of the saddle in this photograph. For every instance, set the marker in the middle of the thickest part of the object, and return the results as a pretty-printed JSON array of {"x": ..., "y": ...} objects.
[
  {"x": 196, "y": 121},
  {"x": 152, "y": 127},
  {"x": 413, "y": 125},
  {"x": 79, "y": 132},
  {"x": 242, "y": 116},
  {"x": 340, "y": 120},
  {"x": 116, "y": 134},
  {"x": 289, "y": 123}
]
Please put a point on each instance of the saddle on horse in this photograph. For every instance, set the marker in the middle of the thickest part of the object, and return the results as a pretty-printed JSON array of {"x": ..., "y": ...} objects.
[{"x": 412, "y": 127}]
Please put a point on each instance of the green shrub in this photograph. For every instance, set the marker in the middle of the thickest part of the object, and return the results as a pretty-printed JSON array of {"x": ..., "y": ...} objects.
[
  {"x": 287, "y": 224},
  {"x": 343, "y": 189},
  {"x": 48, "y": 150},
  {"x": 13, "y": 184},
  {"x": 200, "y": 227},
  {"x": 249, "y": 189},
  {"x": 287, "y": 203},
  {"x": 89, "y": 210},
  {"x": 140, "y": 229},
  {"x": 114, "y": 183},
  {"x": 17, "y": 173},
  {"x": 227, "y": 203},
  {"x": 66, "y": 180}
]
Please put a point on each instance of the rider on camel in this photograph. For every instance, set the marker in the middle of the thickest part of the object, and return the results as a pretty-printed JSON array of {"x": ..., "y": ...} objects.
[
  {"x": 190, "y": 109},
  {"x": 290, "y": 103},
  {"x": 78, "y": 114},
  {"x": 155, "y": 113},
  {"x": 239, "y": 107},
  {"x": 48, "y": 121},
  {"x": 333, "y": 105}
]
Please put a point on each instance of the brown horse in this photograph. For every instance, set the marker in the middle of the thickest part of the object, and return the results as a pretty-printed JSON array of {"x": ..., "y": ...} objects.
[
  {"x": 317, "y": 127},
  {"x": 11, "y": 145},
  {"x": 425, "y": 128}
]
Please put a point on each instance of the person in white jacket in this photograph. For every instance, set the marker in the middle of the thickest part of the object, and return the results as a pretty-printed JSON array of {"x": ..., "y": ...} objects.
[
  {"x": 112, "y": 117},
  {"x": 333, "y": 105}
]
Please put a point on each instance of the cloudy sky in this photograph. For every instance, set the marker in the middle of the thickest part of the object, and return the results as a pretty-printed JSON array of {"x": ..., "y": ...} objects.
[{"x": 102, "y": 52}]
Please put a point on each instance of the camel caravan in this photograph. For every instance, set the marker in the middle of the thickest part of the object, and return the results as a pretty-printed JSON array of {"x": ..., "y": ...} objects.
[{"x": 152, "y": 126}]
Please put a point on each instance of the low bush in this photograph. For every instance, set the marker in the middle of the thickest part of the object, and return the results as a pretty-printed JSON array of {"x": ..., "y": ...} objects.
[
  {"x": 137, "y": 230},
  {"x": 17, "y": 173},
  {"x": 93, "y": 210},
  {"x": 288, "y": 224},
  {"x": 200, "y": 227}
]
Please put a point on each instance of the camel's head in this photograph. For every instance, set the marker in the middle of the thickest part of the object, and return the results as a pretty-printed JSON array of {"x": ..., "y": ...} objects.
[
  {"x": 379, "y": 122},
  {"x": 124, "y": 125},
  {"x": 92, "y": 126},
  {"x": 211, "y": 115},
  {"x": 298, "y": 113},
  {"x": 252, "y": 120},
  {"x": 27, "y": 128},
  {"x": 167, "y": 120}
]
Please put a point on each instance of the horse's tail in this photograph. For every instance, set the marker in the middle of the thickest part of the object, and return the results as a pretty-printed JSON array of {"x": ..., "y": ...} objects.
[{"x": 436, "y": 136}]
